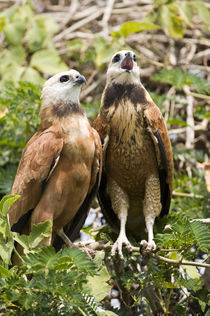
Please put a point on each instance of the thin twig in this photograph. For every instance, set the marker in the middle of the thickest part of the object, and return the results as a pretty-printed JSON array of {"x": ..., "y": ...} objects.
[
  {"x": 190, "y": 195},
  {"x": 107, "y": 14},
  {"x": 199, "y": 127},
  {"x": 190, "y": 134},
  {"x": 199, "y": 95},
  {"x": 180, "y": 262},
  {"x": 76, "y": 26}
]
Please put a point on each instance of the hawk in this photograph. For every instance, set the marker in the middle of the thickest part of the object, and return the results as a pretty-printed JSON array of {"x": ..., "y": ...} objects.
[
  {"x": 137, "y": 176},
  {"x": 59, "y": 171}
]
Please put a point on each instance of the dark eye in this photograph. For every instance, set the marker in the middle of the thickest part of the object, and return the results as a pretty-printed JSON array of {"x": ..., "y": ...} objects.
[
  {"x": 134, "y": 57},
  {"x": 64, "y": 78},
  {"x": 116, "y": 58}
]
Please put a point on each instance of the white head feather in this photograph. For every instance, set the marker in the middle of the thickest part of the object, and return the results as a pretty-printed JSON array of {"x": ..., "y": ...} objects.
[
  {"x": 117, "y": 74},
  {"x": 63, "y": 87}
]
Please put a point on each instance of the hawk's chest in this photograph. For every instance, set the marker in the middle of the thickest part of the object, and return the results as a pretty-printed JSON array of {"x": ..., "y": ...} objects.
[
  {"x": 128, "y": 127},
  {"x": 130, "y": 145},
  {"x": 78, "y": 143}
]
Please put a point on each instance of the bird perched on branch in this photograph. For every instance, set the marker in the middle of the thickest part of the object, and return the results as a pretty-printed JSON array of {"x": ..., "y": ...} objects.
[
  {"x": 137, "y": 176},
  {"x": 59, "y": 171}
]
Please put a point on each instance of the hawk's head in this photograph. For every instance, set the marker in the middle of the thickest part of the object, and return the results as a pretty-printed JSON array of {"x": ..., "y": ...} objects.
[
  {"x": 63, "y": 87},
  {"x": 123, "y": 68}
]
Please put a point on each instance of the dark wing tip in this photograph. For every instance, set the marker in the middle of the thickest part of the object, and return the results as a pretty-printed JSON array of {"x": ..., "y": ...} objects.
[{"x": 163, "y": 175}]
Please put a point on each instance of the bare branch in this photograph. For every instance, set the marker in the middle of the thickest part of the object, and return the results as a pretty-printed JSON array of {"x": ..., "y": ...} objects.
[{"x": 93, "y": 246}]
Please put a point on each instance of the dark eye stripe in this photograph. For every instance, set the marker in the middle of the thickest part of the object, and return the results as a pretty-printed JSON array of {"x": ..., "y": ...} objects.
[
  {"x": 116, "y": 58},
  {"x": 64, "y": 78}
]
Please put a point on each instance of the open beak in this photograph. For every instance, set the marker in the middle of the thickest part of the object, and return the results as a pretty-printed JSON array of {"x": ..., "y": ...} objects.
[
  {"x": 81, "y": 79},
  {"x": 127, "y": 63}
]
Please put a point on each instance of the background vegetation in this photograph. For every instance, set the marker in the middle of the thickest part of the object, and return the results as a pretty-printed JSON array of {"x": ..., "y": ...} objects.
[{"x": 171, "y": 41}]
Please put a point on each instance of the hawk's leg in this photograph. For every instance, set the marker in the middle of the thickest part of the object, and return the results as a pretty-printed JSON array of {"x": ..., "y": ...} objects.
[
  {"x": 151, "y": 208},
  {"x": 65, "y": 238},
  {"x": 120, "y": 205}
]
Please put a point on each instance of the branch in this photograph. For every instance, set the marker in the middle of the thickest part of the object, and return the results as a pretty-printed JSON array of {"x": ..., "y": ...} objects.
[
  {"x": 190, "y": 195},
  {"x": 107, "y": 14},
  {"x": 101, "y": 246},
  {"x": 190, "y": 133}
]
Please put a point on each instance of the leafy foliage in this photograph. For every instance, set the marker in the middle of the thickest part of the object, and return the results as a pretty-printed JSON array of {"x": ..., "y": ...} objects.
[
  {"x": 69, "y": 283},
  {"x": 175, "y": 16},
  {"x": 45, "y": 282},
  {"x": 130, "y": 27},
  {"x": 201, "y": 235},
  {"x": 178, "y": 78},
  {"x": 19, "y": 108},
  {"x": 28, "y": 42}
]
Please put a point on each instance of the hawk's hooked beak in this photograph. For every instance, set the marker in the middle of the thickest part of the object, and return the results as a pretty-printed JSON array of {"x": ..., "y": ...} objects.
[
  {"x": 127, "y": 62},
  {"x": 81, "y": 79}
]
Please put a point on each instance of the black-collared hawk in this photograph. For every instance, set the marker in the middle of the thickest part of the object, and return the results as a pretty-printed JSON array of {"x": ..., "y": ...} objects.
[
  {"x": 137, "y": 176},
  {"x": 59, "y": 171}
]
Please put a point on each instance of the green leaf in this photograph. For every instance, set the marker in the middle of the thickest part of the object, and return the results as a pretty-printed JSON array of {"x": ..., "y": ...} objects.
[
  {"x": 98, "y": 284},
  {"x": 40, "y": 33},
  {"x": 202, "y": 305},
  {"x": 178, "y": 78},
  {"x": 186, "y": 11},
  {"x": 109, "y": 313},
  {"x": 6, "y": 248},
  {"x": 191, "y": 271},
  {"x": 177, "y": 122},
  {"x": 174, "y": 77},
  {"x": 202, "y": 11},
  {"x": 2, "y": 23},
  {"x": 14, "y": 32},
  {"x": 39, "y": 232},
  {"x": 4, "y": 272},
  {"x": 32, "y": 75},
  {"x": 130, "y": 27},
  {"x": 104, "y": 51},
  {"x": 168, "y": 18},
  {"x": 201, "y": 234},
  {"x": 6, "y": 202},
  {"x": 207, "y": 313},
  {"x": 48, "y": 61},
  {"x": 76, "y": 45},
  {"x": 12, "y": 72}
]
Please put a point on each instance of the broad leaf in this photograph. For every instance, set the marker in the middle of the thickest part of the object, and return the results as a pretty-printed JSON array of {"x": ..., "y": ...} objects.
[
  {"x": 6, "y": 202},
  {"x": 4, "y": 272},
  {"x": 130, "y": 27},
  {"x": 32, "y": 75},
  {"x": 98, "y": 285},
  {"x": 39, "y": 232},
  {"x": 48, "y": 61},
  {"x": 191, "y": 271},
  {"x": 14, "y": 32},
  {"x": 202, "y": 11}
]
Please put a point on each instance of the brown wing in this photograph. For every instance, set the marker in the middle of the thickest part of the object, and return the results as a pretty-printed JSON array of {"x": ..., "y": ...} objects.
[
  {"x": 35, "y": 165},
  {"x": 100, "y": 126},
  {"x": 159, "y": 134},
  {"x": 72, "y": 230},
  {"x": 103, "y": 128}
]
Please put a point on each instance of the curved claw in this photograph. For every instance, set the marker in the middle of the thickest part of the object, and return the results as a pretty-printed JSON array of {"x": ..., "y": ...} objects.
[
  {"x": 121, "y": 240},
  {"x": 147, "y": 246}
]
